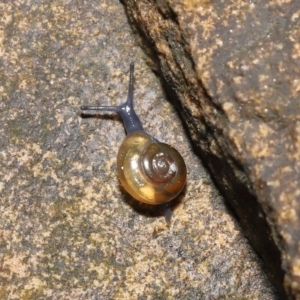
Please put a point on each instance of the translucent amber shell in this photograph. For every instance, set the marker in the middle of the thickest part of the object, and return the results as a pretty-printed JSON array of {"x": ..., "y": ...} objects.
[{"x": 152, "y": 184}]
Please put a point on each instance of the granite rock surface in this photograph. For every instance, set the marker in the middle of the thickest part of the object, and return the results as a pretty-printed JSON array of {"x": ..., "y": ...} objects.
[{"x": 67, "y": 228}]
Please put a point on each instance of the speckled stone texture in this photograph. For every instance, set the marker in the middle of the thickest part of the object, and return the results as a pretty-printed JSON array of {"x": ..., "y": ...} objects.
[
  {"x": 233, "y": 68},
  {"x": 67, "y": 228}
]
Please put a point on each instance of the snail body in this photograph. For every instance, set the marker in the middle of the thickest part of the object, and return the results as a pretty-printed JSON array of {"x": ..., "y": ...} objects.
[{"x": 150, "y": 171}]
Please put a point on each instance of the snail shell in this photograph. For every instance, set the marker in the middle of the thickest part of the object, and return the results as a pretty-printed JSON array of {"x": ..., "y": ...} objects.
[{"x": 152, "y": 172}]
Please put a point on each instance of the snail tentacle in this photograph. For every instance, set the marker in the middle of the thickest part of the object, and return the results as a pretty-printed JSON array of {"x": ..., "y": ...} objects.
[{"x": 126, "y": 110}]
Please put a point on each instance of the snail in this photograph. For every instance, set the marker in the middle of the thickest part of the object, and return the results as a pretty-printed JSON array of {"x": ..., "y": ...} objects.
[{"x": 150, "y": 171}]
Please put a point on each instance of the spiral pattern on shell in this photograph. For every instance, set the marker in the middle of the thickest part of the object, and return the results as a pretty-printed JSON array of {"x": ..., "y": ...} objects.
[
  {"x": 152, "y": 172},
  {"x": 158, "y": 163}
]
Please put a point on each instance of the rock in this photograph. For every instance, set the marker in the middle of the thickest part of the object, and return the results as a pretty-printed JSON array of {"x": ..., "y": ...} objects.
[
  {"x": 232, "y": 69},
  {"x": 67, "y": 229}
]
